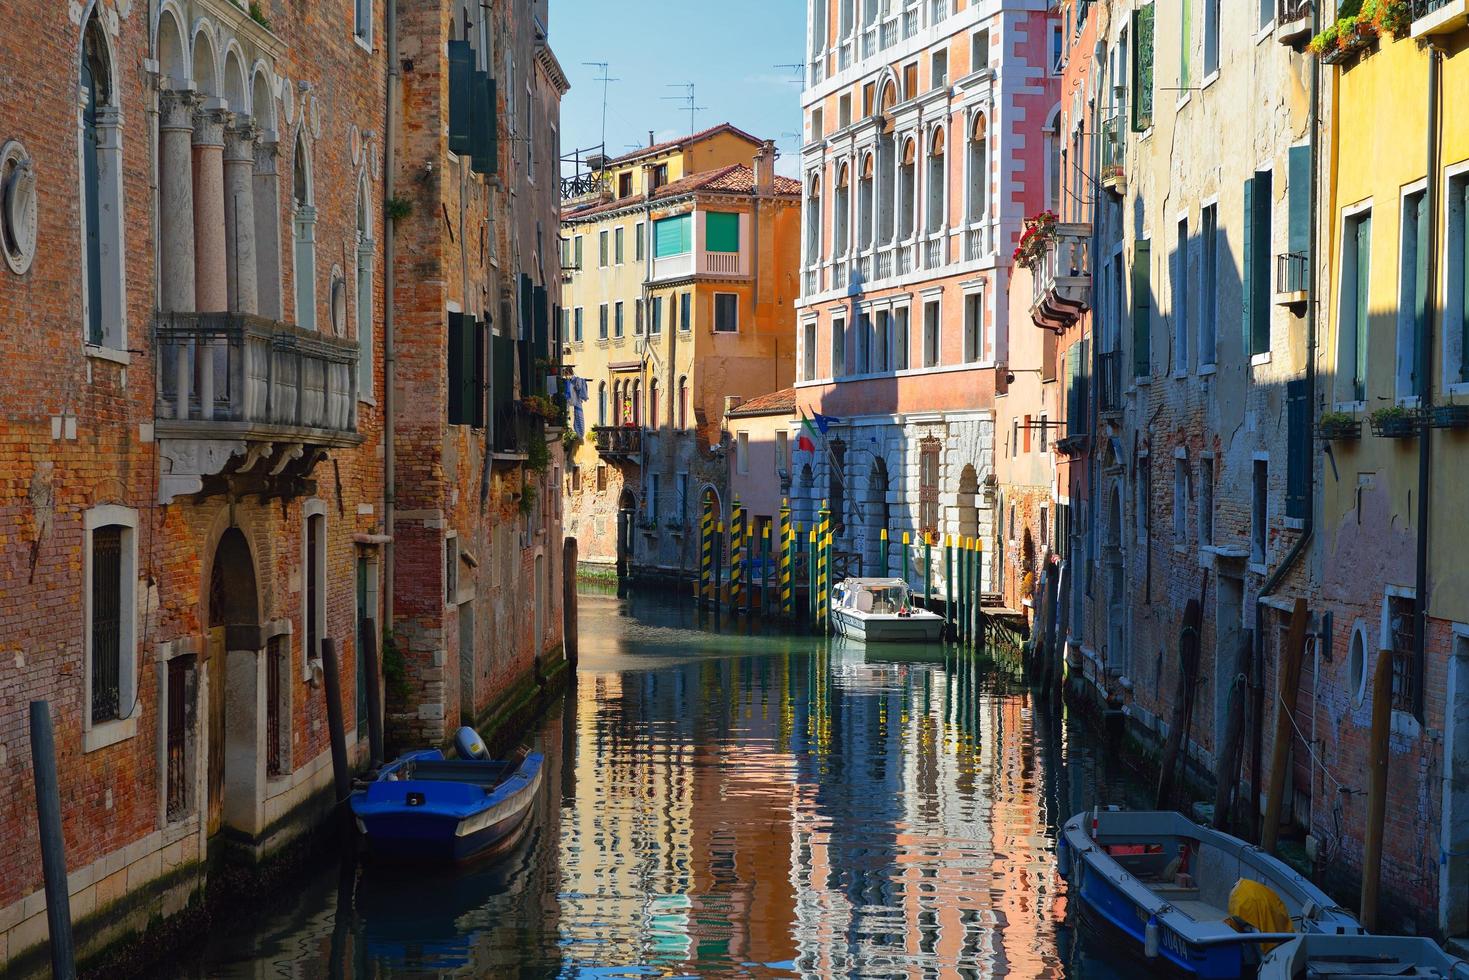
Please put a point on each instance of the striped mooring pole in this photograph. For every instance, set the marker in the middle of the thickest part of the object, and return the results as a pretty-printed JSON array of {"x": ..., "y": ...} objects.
[
  {"x": 823, "y": 563},
  {"x": 736, "y": 556},
  {"x": 963, "y": 591},
  {"x": 718, "y": 599},
  {"x": 882, "y": 553},
  {"x": 978, "y": 585},
  {"x": 765, "y": 568},
  {"x": 706, "y": 558},
  {"x": 810, "y": 540},
  {"x": 826, "y": 590},
  {"x": 787, "y": 546}
]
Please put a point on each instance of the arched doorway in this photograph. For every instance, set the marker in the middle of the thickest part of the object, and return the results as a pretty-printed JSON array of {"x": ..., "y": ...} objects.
[
  {"x": 234, "y": 669},
  {"x": 880, "y": 517},
  {"x": 627, "y": 505}
]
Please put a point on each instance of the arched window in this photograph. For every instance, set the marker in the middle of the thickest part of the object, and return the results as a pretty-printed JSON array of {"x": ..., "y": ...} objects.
[
  {"x": 365, "y": 252},
  {"x": 637, "y": 403},
  {"x": 840, "y": 216},
  {"x": 602, "y": 403},
  {"x": 864, "y": 204},
  {"x": 813, "y": 221},
  {"x": 907, "y": 186},
  {"x": 936, "y": 183},
  {"x": 653, "y": 404},
  {"x": 978, "y": 171},
  {"x": 303, "y": 202},
  {"x": 683, "y": 402},
  {"x": 101, "y": 204},
  {"x": 267, "y": 203},
  {"x": 1053, "y": 161}
]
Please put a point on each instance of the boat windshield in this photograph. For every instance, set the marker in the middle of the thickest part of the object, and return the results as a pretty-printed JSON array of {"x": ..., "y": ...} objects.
[{"x": 889, "y": 598}]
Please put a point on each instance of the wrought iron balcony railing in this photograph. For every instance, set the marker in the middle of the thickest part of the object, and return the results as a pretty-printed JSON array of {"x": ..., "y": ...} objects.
[
  {"x": 1109, "y": 382},
  {"x": 614, "y": 442},
  {"x": 1292, "y": 273}
]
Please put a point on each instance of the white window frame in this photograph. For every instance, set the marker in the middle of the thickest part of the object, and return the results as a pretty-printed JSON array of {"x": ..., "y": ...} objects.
[
  {"x": 742, "y": 453},
  {"x": 1456, "y": 223},
  {"x": 936, "y": 355},
  {"x": 313, "y": 507},
  {"x": 362, "y": 31},
  {"x": 979, "y": 333},
  {"x": 1347, "y": 365},
  {"x": 112, "y": 228},
  {"x": 124, "y": 727},
  {"x": 1404, "y": 327},
  {"x": 809, "y": 329},
  {"x": 714, "y": 326},
  {"x": 838, "y": 329}
]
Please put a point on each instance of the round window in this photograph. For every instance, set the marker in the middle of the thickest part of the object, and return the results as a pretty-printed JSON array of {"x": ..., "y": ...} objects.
[
  {"x": 1357, "y": 664},
  {"x": 17, "y": 207}
]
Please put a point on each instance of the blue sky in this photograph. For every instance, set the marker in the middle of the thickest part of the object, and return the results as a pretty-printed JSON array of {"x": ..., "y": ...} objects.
[{"x": 727, "y": 48}]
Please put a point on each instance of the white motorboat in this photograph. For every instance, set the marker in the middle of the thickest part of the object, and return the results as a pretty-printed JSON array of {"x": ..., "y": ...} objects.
[
  {"x": 1346, "y": 957},
  {"x": 881, "y": 610}
]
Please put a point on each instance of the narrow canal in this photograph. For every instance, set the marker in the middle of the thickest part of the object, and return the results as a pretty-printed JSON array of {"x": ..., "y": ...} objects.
[{"x": 733, "y": 803}]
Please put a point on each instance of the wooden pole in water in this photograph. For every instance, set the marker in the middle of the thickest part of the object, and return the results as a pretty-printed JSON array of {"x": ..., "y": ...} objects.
[
  {"x": 330, "y": 675},
  {"x": 823, "y": 564},
  {"x": 374, "y": 670},
  {"x": 736, "y": 556},
  {"x": 811, "y": 576},
  {"x": 53, "y": 845},
  {"x": 706, "y": 551},
  {"x": 718, "y": 597},
  {"x": 927, "y": 569},
  {"x": 826, "y": 588},
  {"x": 1287, "y": 685},
  {"x": 764, "y": 569},
  {"x": 975, "y": 591},
  {"x": 787, "y": 580},
  {"x": 882, "y": 553},
  {"x": 1377, "y": 756},
  {"x": 1228, "y": 777},
  {"x": 906, "y": 551},
  {"x": 949, "y": 581},
  {"x": 569, "y": 635},
  {"x": 963, "y": 572}
]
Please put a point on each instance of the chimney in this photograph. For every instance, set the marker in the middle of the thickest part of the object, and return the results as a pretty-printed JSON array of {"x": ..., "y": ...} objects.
[
  {"x": 765, "y": 168},
  {"x": 650, "y": 137}
]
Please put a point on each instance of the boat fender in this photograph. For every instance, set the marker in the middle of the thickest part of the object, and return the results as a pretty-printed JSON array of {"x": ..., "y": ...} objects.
[
  {"x": 468, "y": 744},
  {"x": 1063, "y": 858},
  {"x": 1151, "y": 938}
]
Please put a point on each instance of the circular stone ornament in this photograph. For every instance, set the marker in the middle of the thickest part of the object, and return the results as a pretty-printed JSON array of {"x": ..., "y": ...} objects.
[{"x": 17, "y": 207}]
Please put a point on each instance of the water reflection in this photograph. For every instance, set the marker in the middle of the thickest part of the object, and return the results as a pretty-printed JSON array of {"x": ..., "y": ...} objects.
[{"x": 740, "y": 803}]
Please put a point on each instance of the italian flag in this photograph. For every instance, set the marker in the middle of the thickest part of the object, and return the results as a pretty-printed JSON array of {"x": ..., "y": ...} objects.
[{"x": 806, "y": 441}]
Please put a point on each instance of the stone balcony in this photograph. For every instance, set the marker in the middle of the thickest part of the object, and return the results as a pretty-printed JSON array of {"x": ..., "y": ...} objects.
[
  {"x": 618, "y": 442},
  {"x": 1063, "y": 278},
  {"x": 249, "y": 405}
]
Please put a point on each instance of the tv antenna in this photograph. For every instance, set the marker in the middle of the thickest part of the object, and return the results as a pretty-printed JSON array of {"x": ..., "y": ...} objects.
[
  {"x": 798, "y": 69},
  {"x": 691, "y": 103},
  {"x": 605, "y": 82}
]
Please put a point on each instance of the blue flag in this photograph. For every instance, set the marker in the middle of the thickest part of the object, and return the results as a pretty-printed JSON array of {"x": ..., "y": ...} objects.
[{"x": 824, "y": 422}]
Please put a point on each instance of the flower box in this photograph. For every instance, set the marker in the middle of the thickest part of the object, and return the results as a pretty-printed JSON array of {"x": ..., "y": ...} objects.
[
  {"x": 1339, "y": 427},
  {"x": 1396, "y": 423},
  {"x": 1450, "y": 416}
]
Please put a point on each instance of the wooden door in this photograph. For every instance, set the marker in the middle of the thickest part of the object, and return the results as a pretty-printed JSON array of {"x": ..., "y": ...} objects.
[{"x": 215, "y": 667}]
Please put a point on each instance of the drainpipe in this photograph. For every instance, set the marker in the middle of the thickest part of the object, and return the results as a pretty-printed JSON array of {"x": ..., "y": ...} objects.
[
  {"x": 1273, "y": 580},
  {"x": 1425, "y": 373},
  {"x": 390, "y": 167}
]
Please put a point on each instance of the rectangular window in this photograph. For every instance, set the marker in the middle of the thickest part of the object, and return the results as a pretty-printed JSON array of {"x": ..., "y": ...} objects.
[
  {"x": 721, "y": 231},
  {"x": 838, "y": 347},
  {"x": 637, "y": 320},
  {"x": 1185, "y": 45},
  {"x": 655, "y": 326},
  {"x": 1211, "y": 37},
  {"x": 1180, "y": 500},
  {"x": 910, "y": 77},
  {"x": 1043, "y": 439},
  {"x": 1180, "y": 299},
  {"x": 1208, "y": 284},
  {"x": 1206, "y": 501},
  {"x": 638, "y": 244},
  {"x": 601, "y": 477},
  {"x": 940, "y": 69},
  {"x": 932, "y": 333},
  {"x": 617, "y": 241},
  {"x": 681, "y": 488},
  {"x": 973, "y": 327},
  {"x": 577, "y": 318},
  {"x": 1058, "y": 49},
  {"x": 602, "y": 322},
  {"x": 673, "y": 236},
  {"x": 900, "y": 339},
  {"x": 617, "y": 320},
  {"x": 1356, "y": 267},
  {"x": 844, "y": 111},
  {"x": 1295, "y": 272},
  {"x": 979, "y": 50},
  {"x": 577, "y": 252},
  {"x": 1412, "y": 293},
  {"x": 315, "y": 582},
  {"x": 1257, "y": 247},
  {"x": 466, "y": 370},
  {"x": 816, "y": 131},
  {"x": 1456, "y": 307},
  {"x": 686, "y": 312},
  {"x": 1402, "y": 624},
  {"x": 928, "y": 487},
  {"x": 808, "y": 350},
  {"x": 602, "y": 248},
  {"x": 362, "y": 20},
  {"x": 782, "y": 453},
  {"x": 1298, "y": 449},
  {"x": 1142, "y": 309},
  {"x": 624, "y": 184},
  {"x": 1267, "y": 13},
  {"x": 1142, "y": 69},
  {"x": 726, "y": 312},
  {"x": 110, "y": 590},
  {"x": 880, "y": 340},
  {"x": 277, "y": 688},
  {"x": 742, "y": 452},
  {"x": 1260, "y": 512},
  {"x": 182, "y": 691}
]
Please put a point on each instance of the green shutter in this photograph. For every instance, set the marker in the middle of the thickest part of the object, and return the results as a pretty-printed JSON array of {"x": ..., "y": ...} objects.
[
  {"x": 1364, "y": 264},
  {"x": 1142, "y": 310},
  {"x": 721, "y": 232},
  {"x": 1300, "y": 199},
  {"x": 1298, "y": 448},
  {"x": 524, "y": 331},
  {"x": 486, "y": 125},
  {"x": 474, "y": 386},
  {"x": 1257, "y": 263},
  {"x": 461, "y": 96},
  {"x": 1142, "y": 69},
  {"x": 461, "y": 371},
  {"x": 540, "y": 342},
  {"x": 1420, "y": 294},
  {"x": 1185, "y": 45},
  {"x": 502, "y": 388},
  {"x": 672, "y": 236},
  {"x": 1247, "y": 279}
]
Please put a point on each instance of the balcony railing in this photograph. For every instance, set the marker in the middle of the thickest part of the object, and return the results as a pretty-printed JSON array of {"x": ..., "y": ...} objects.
[
  {"x": 885, "y": 263},
  {"x": 618, "y": 442},
  {"x": 1292, "y": 277},
  {"x": 1109, "y": 382},
  {"x": 973, "y": 244},
  {"x": 905, "y": 257},
  {"x": 1439, "y": 16},
  {"x": 235, "y": 373},
  {"x": 933, "y": 252},
  {"x": 721, "y": 264},
  {"x": 910, "y": 23},
  {"x": 1114, "y": 150},
  {"x": 1063, "y": 277},
  {"x": 889, "y": 34},
  {"x": 812, "y": 284},
  {"x": 1292, "y": 21},
  {"x": 864, "y": 267}
]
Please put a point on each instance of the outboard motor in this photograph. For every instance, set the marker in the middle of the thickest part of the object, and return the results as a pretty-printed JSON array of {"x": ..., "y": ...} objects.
[{"x": 469, "y": 745}]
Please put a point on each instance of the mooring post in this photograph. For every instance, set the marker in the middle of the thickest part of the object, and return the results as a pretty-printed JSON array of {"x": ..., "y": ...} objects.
[
  {"x": 765, "y": 569},
  {"x": 718, "y": 598},
  {"x": 882, "y": 553},
  {"x": 906, "y": 551},
  {"x": 787, "y": 584},
  {"x": 706, "y": 553},
  {"x": 1378, "y": 750},
  {"x": 962, "y": 621},
  {"x": 569, "y": 637},
  {"x": 811, "y": 576},
  {"x": 949, "y": 581},
  {"x": 341, "y": 775},
  {"x": 53, "y": 846},
  {"x": 736, "y": 555},
  {"x": 977, "y": 585},
  {"x": 827, "y": 588},
  {"x": 823, "y": 570},
  {"x": 369, "y": 650},
  {"x": 928, "y": 570}
]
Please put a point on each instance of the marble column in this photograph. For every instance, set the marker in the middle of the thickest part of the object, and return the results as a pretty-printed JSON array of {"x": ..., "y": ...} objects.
[
  {"x": 267, "y": 214},
  {"x": 176, "y": 194},
  {"x": 211, "y": 281},
  {"x": 239, "y": 218}
]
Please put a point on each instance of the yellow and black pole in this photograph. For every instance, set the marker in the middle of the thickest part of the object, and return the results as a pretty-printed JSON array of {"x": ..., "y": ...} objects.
[
  {"x": 787, "y": 543},
  {"x": 949, "y": 580},
  {"x": 823, "y": 564},
  {"x": 706, "y": 559},
  {"x": 810, "y": 540},
  {"x": 736, "y": 556},
  {"x": 882, "y": 553},
  {"x": 906, "y": 550},
  {"x": 718, "y": 598}
]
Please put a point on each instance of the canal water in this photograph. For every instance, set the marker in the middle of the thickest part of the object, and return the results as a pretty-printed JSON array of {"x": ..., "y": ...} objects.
[{"x": 726, "y": 801}]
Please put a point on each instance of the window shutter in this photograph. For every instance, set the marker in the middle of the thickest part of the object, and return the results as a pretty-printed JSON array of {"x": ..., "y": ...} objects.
[
  {"x": 1247, "y": 290},
  {"x": 672, "y": 236},
  {"x": 540, "y": 344},
  {"x": 1259, "y": 281},
  {"x": 721, "y": 231},
  {"x": 1298, "y": 441},
  {"x": 1142, "y": 310},
  {"x": 1142, "y": 69},
  {"x": 1300, "y": 199},
  {"x": 502, "y": 376},
  {"x": 1420, "y": 295},
  {"x": 1084, "y": 400},
  {"x": 474, "y": 385},
  {"x": 525, "y": 331},
  {"x": 1364, "y": 263},
  {"x": 486, "y": 125},
  {"x": 456, "y": 368},
  {"x": 461, "y": 96},
  {"x": 1186, "y": 45}
]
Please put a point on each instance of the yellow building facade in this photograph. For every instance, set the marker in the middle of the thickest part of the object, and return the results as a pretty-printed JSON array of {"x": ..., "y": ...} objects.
[
  {"x": 682, "y": 262},
  {"x": 1393, "y": 371}
]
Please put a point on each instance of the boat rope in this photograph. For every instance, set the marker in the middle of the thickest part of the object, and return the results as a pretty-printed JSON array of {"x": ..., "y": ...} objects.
[{"x": 1290, "y": 714}]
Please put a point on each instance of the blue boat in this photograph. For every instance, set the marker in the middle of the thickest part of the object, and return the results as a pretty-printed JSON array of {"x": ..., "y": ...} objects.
[
  {"x": 1161, "y": 884},
  {"x": 425, "y": 807}
]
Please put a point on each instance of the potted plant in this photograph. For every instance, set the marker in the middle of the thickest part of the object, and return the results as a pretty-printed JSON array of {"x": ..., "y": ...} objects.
[
  {"x": 1395, "y": 422},
  {"x": 1038, "y": 232},
  {"x": 1339, "y": 426},
  {"x": 1450, "y": 416}
]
